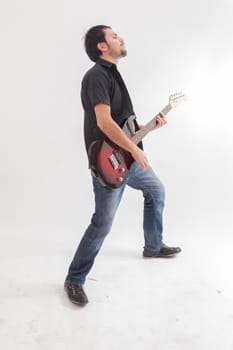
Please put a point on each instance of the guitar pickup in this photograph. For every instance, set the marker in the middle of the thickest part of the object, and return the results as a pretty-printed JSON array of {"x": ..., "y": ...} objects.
[
  {"x": 118, "y": 156},
  {"x": 114, "y": 161}
]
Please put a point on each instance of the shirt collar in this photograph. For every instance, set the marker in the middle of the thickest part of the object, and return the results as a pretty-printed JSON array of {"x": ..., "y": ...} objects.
[{"x": 106, "y": 63}]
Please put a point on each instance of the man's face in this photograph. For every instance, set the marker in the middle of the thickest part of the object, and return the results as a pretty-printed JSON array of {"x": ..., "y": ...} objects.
[{"x": 114, "y": 44}]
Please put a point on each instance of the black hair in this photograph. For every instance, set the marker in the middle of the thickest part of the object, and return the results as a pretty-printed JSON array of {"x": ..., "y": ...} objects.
[{"x": 94, "y": 36}]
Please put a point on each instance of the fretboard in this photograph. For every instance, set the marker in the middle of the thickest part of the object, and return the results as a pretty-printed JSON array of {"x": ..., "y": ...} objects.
[{"x": 149, "y": 126}]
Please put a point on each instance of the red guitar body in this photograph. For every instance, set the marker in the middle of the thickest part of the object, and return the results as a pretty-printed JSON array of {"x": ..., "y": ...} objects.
[{"x": 110, "y": 163}]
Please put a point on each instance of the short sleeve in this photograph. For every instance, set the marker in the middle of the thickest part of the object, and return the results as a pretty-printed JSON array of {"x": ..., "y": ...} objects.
[{"x": 98, "y": 88}]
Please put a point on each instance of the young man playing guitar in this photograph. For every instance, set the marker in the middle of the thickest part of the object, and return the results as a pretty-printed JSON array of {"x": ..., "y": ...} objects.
[{"x": 107, "y": 108}]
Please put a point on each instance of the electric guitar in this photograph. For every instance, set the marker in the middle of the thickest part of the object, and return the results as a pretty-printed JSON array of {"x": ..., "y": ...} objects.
[{"x": 109, "y": 162}]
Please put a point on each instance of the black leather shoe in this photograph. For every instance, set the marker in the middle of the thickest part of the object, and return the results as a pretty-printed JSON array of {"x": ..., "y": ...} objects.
[
  {"x": 163, "y": 253},
  {"x": 76, "y": 293}
]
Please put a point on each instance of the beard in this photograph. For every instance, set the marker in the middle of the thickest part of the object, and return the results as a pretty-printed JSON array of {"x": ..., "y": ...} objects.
[
  {"x": 123, "y": 52},
  {"x": 116, "y": 53}
]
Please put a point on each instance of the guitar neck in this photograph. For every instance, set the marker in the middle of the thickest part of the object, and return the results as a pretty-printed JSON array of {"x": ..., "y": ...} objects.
[{"x": 140, "y": 134}]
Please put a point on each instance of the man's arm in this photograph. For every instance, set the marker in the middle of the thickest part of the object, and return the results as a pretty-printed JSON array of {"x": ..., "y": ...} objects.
[{"x": 112, "y": 130}]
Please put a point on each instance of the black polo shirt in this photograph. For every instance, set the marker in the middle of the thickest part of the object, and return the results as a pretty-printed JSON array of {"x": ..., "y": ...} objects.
[{"x": 104, "y": 84}]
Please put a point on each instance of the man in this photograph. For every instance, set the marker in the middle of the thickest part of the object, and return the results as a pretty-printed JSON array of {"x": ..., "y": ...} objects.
[{"x": 107, "y": 106}]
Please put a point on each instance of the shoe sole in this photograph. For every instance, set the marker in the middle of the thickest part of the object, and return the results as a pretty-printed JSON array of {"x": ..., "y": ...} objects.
[
  {"x": 77, "y": 303},
  {"x": 159, "y": 256}
]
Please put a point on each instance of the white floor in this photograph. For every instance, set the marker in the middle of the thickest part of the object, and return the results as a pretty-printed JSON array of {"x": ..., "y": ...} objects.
[{"x": 135, "y": 304}]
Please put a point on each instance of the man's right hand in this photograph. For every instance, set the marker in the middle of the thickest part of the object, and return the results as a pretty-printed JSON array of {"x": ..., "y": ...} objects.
[{"x": 140, "y": 157}]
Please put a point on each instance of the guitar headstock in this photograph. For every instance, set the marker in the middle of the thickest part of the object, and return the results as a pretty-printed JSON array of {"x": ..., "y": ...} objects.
[{"x": 176, "y": 98}]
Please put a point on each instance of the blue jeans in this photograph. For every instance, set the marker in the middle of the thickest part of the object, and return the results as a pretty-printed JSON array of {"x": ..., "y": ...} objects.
[{"x": 106, "y": 203}]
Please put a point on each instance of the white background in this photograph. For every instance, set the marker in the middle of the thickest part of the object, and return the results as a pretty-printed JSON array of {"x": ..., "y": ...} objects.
[{"x": 46, "y": 196}]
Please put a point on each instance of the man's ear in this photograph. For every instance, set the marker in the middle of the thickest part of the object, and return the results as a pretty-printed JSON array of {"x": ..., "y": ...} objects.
[{"x": 102, "y": 46}]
